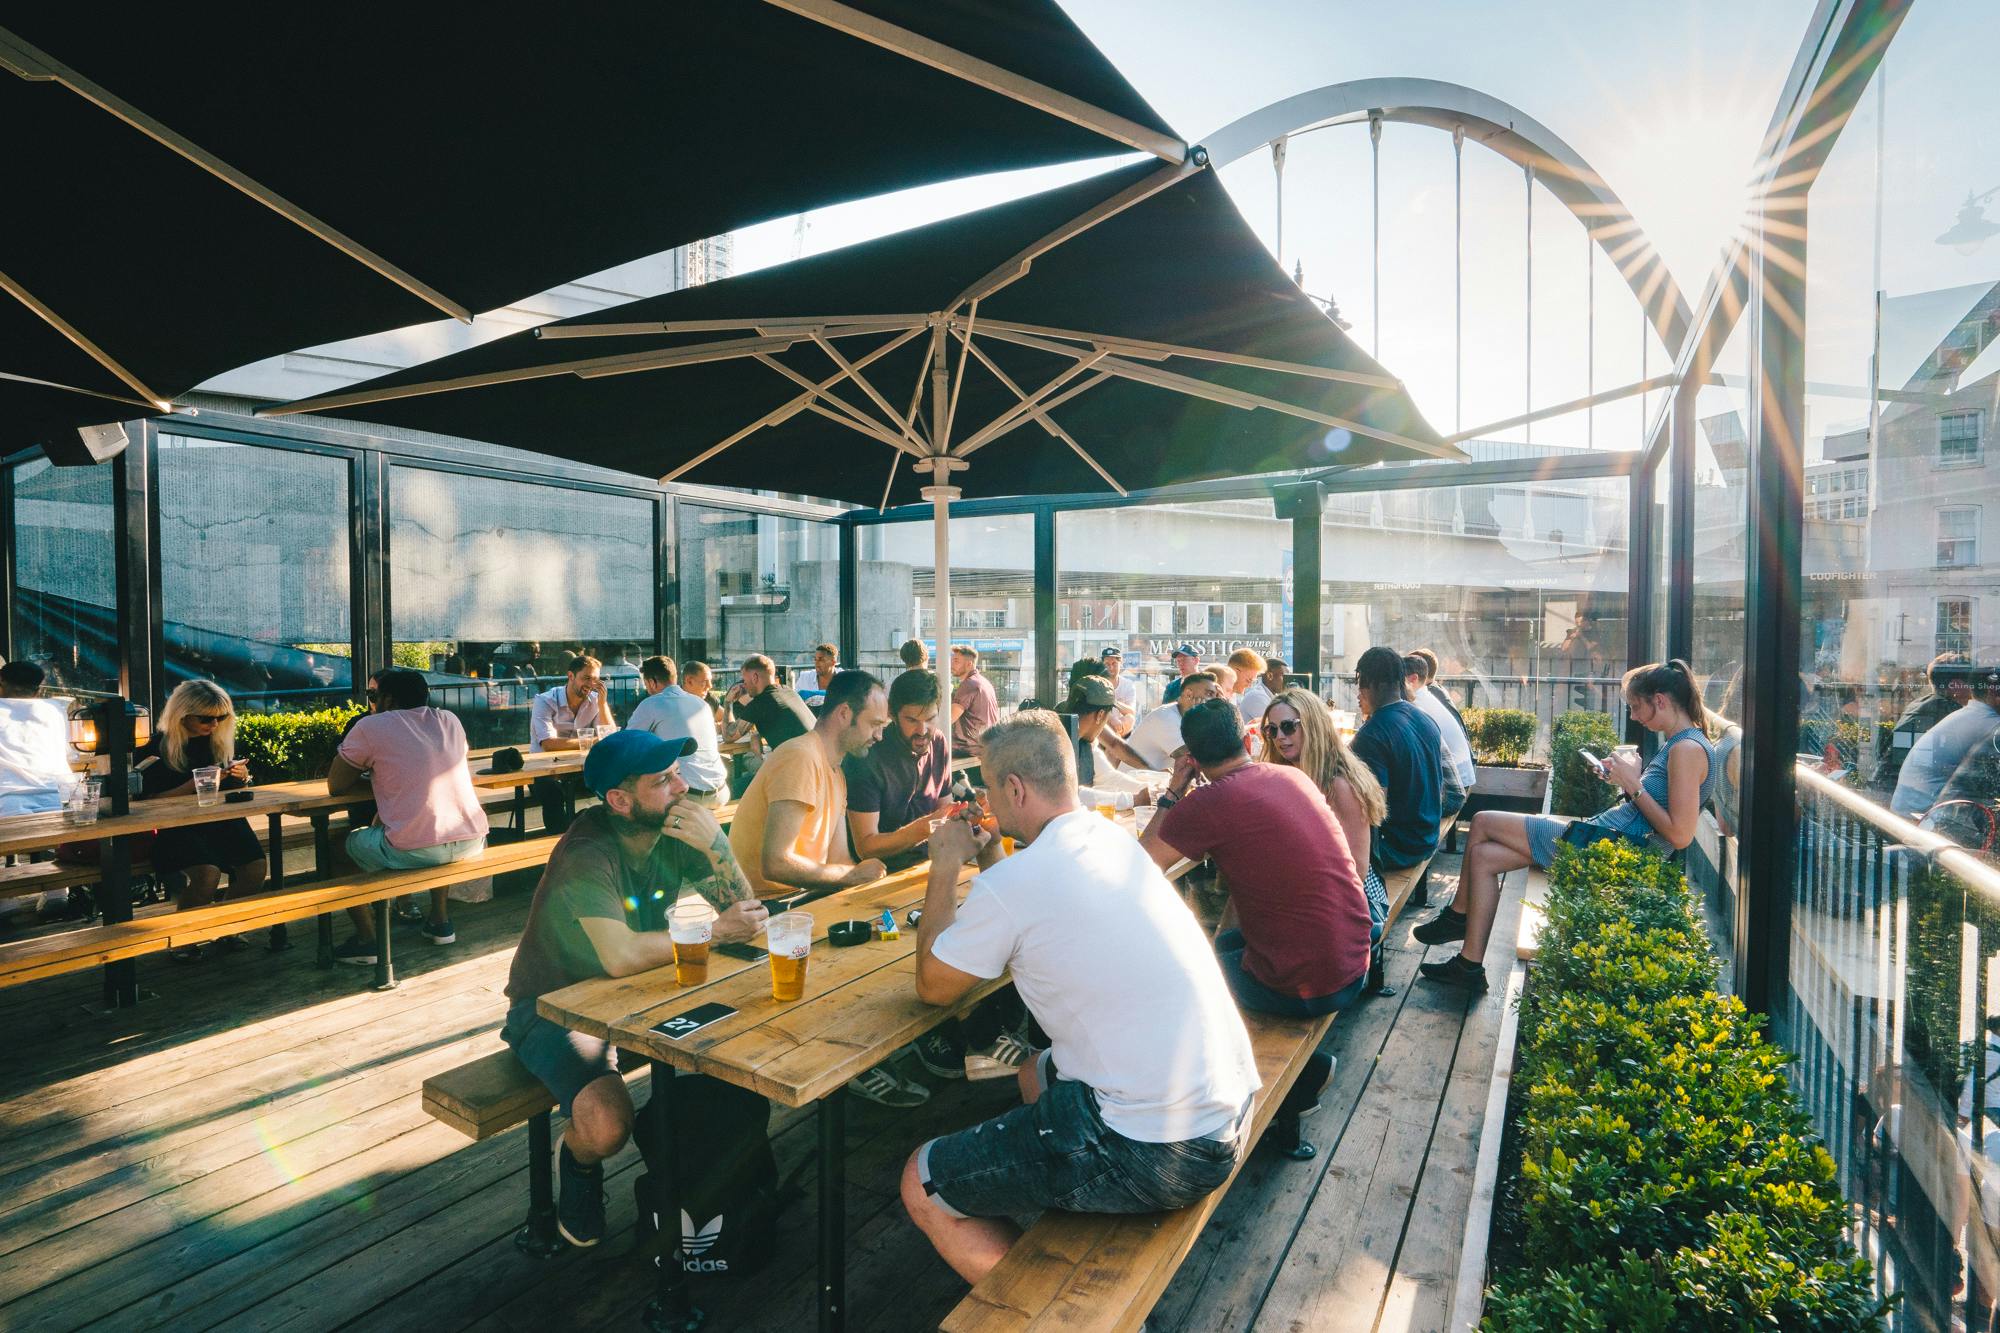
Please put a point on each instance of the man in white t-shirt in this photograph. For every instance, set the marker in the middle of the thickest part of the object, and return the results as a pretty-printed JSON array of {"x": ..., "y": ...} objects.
[
  {"x": 34, "y": 743},
  {"x": 670, "y": 712},
  {"x": 1123, "y": 1113},
  {"x": 1457, "y": 748},
  {"x": 1158, "y": 734},
  {"x": 1124, "y": 692},
  {"x": 815, "y": 678}
]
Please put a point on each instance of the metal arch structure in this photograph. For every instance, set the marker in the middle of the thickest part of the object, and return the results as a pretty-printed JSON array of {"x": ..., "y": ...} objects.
[{"x": 1505, "y": 130}]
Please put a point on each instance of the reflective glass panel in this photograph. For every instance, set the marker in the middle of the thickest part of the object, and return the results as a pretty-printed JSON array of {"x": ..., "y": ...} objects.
[{"x": 65, "y": 583}]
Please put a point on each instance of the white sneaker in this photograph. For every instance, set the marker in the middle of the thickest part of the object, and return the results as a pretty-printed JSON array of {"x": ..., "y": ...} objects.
[
  {"x": 883, "y": 1088},
  {"x": 1002, "y": 1059}
]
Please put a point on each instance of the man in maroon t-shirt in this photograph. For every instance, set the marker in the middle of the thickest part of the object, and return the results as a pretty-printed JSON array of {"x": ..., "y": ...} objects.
[{"x": 1301, "y": 943}]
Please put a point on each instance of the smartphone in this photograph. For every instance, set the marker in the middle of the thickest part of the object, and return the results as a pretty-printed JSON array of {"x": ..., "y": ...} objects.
[
  {"x": 749, "y": 953},
  {"x": 693, "y": 1021},
  {"x": 1596, "y": 763}
]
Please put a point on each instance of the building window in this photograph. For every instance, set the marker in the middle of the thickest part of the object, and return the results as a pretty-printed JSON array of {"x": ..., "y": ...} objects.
[
  {"x": 1217, "y": 618},
  {"x": 1957, "y": 537},
  {"x": 1954, "y": 625},
  {"x": 1254, "y": 618},
  {"x": 1064, "y": 609},
  {"x": 1089, "y": 616},
  {"x": 1958, "y": 439}
]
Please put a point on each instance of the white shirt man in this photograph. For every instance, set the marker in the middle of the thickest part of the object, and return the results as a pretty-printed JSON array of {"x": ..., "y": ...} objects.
[
  {"x": 1457, "y": 749},
  {"x": 670, "y": 713},
  {"x": 1939, "y": 751},
  {"x": 1124, "y": 693},
  {"x": 1158, "y": 734},
  {"x": 579, "y": 701},
  {"x": 813, "y": 680},
  {"x": 34, "y": 755}
]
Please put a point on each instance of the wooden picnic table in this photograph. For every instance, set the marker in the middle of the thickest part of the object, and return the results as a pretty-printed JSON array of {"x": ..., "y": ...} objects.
[
  {"x": 308, "y": 799},
  {"x": 859, "y": 1007}
]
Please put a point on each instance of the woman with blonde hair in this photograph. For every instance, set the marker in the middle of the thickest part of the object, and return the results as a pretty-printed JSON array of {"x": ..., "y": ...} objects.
[
  {"x": 1299, "y": 731},
  {"x": 197, "y": 729}
]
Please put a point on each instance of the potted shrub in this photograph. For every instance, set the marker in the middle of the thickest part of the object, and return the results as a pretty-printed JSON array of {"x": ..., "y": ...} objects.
[
  {"x": 1502, "y": 740},
  {"x": 1578, "y": 790}
]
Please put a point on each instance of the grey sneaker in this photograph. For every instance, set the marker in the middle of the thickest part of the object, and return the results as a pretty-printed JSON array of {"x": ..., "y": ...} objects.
[
  {"x": 883, "y": 1088},
  {"x": 941, "y": 1054}
]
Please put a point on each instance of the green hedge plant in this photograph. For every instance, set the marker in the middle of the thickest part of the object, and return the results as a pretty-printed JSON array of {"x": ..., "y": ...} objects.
[
  {"x": 1579, "y": 791},
  {"x": 290, "y": 747},
  {"x": 1670, "y": 1180},
  {"x": 1501, "y": 737}
]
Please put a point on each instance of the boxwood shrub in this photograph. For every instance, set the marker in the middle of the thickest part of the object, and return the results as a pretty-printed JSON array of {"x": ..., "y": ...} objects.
[
  {"x": 1502, "y": 737},
  {"x": 290, "y": 747},
  {"x": 1669, "y": 1179}
]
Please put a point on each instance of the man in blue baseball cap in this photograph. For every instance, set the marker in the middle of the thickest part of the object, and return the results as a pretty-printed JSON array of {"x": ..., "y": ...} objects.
[
  {"x": 1186, "y": 661},
  {"x": 617, "y": 870}
]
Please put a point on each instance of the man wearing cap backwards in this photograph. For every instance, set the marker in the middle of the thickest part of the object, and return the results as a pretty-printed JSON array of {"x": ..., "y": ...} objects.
[
  {"x": 621, "y": 862},
  {"x": 1186, "y": 662}
]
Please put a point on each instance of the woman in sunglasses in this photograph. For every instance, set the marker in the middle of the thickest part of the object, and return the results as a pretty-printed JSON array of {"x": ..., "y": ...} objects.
[
  {"x": 197, "y": 729},
  {"x": 1299, "y": 732}
]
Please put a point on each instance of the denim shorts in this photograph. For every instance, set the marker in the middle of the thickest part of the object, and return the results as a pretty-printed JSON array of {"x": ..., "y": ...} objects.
[
  {"x": 566, "y": 1062},
  {"x": 371, "y": 850},
  {"x": 1254, "y": 995},
  {"x": 1059, "y": 1153}
]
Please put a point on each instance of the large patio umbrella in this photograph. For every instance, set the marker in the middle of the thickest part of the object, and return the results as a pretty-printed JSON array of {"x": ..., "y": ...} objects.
[
  {"x": 195, "y": 189},
  {"x": 1124, "y": 332}
]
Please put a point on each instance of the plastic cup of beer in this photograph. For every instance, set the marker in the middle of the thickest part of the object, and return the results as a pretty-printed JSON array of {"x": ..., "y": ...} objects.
[
  {"x": 1108, "y": 810},
  {"x": 207, "y": 785},
  {"x": 691, "y": 925},
  {"x": 1006, "y": 845},
  {"x": 788, "y": 936}
]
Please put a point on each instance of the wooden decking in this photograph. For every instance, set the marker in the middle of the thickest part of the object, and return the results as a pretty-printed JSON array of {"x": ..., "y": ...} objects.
[{"x": 248, "y": 1150}]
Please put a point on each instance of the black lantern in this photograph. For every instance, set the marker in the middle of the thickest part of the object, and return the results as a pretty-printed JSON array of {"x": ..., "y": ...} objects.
[{"x": 112, "y": 727}]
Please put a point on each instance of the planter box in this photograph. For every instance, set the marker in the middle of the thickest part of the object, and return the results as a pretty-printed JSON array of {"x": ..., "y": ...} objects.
[{"x": 1510, "y": 784}]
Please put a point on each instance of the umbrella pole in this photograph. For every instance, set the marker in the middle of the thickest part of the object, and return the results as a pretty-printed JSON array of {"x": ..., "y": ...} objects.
[{"x": 941, "y": 494}]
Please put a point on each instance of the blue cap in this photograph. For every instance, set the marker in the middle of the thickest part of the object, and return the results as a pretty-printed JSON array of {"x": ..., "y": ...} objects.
[
  {"x": 1187, "y": 650},
  {"x": 627, "y": 753}
]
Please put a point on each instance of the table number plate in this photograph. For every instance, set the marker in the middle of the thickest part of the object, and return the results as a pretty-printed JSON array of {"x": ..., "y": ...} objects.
[{"x": 693, "y": 1021}]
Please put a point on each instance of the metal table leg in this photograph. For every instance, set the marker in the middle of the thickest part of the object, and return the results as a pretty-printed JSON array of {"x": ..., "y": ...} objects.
[
  {"x": 672, "y": 1308},
  {"x": 385, "y": 968},
  {"x": 121, "y": 978},
  {"x": 323, "y": 867},
  {"x": 832, "y": 1118}
]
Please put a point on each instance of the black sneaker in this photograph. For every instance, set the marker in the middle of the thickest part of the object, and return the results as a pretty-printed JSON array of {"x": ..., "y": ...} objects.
[
  {"x": 1455, "y": 971},
  {"x": 941, "y": 1053},
  {"x": 1443, "y": 928},
  {"x": 580, "y": 1208},
  {"x": 359, "y": 952},
  {"x": 439, "y": 934},
  {"x": 186, "y": 953}
]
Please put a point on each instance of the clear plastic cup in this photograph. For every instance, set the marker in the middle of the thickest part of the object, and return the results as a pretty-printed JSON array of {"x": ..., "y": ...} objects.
[
  {"x": 208, "y": 785},
  {"x": 80, "y": 802},
  {"x": 788, "y": 936},
  {"x": 691, "y": 925}
]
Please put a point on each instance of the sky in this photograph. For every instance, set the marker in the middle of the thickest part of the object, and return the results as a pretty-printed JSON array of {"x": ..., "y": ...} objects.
[{"x": 1667, "y": 102}]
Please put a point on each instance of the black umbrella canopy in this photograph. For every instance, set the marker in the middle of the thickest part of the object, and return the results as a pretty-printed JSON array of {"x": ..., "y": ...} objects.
[
  {"x": 1179, "y": 269},
  {"x": 479, "y": 161}
]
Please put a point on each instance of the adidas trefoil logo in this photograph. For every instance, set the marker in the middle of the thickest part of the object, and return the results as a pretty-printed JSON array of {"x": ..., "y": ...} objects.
[{"x": 695, "y": 1243}]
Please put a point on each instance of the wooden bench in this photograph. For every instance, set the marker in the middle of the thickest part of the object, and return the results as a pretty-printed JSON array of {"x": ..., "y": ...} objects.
[
  {"x": 70, "y": 951},
  {"x": 489, "y": 1096},
  {"x": 1090, "y": 1271},
  {"x": 1401, "y": 887}
]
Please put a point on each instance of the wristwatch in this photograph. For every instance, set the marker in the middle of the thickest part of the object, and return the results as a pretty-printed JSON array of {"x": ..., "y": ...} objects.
[{"x": 1164, "y": 801}]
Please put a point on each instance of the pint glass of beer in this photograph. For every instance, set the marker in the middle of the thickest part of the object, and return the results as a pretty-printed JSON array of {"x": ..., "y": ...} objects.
[
  {"x": 789, "y": 937},
  {"x": 691, "y": 924}
]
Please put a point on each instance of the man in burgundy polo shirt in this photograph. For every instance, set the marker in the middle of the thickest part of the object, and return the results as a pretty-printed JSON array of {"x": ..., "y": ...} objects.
[{"x": 1299, "y": 946}]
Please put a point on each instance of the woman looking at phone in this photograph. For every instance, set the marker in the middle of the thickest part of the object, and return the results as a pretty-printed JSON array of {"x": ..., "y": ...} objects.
[
  {"x": 198, "y": 730},
  {"x": 1662, "y": 804}
]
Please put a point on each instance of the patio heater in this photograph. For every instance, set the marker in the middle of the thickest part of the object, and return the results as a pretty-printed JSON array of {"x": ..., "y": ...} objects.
[{"x": 114, "y": 727}]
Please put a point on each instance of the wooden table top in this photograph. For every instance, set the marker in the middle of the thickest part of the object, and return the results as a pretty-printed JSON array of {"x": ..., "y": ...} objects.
[
  {"x": 860, "y": 1005},
  {"x": 32, "y": 833}
]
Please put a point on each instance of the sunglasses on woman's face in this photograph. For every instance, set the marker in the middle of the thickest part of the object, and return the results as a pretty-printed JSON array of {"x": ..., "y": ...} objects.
[
  {"x": 213, "y": 719},
  {"x": 1287, "y": 728}
]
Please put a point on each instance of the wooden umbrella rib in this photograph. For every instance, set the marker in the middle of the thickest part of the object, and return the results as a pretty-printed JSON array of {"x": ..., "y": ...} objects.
[
  {"x": 1038, "y": 401},
  {"x": 1039, "y": 412},
  {"x": 993, "y": 78},
  {"x": 75, "y": 335},
  {"x": 781, "y": 414},
  {"x": 1150, "y": 350},
  {"x": 856, "y": 417},
  {"x": 836, "y": 326},
  {"x": 28, "y": 62}
]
